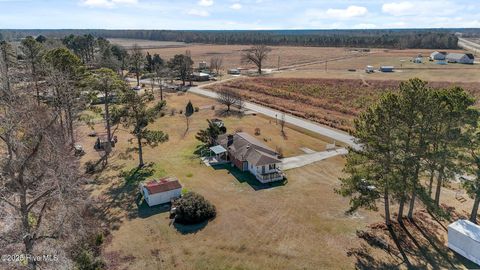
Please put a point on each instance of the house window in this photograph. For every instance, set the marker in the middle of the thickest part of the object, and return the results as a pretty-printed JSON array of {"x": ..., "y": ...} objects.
[{"x": 271, "y": 166}]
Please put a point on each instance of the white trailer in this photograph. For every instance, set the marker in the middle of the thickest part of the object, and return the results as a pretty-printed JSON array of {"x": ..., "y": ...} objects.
[{"x": 464, "y": 238}]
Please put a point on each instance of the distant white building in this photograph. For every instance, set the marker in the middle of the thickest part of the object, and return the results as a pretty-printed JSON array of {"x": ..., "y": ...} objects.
[
  {"x": 464, "y": 238},
  {"x": 161, "y": 191},
  {"x": 438, "y": 56},
  {"x": 461, "y": 58}
]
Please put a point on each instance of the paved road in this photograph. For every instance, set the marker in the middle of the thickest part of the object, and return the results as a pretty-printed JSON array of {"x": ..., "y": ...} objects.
[
  {"x": 469, "y": 45},
  {"x": 304, "y": 160},
  {"x": 339, "y": 136},
  {"x": 336, "y": 135}
]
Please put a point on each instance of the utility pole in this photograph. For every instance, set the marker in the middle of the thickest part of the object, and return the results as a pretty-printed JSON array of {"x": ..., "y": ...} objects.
[{"x": 278, "y": 64}]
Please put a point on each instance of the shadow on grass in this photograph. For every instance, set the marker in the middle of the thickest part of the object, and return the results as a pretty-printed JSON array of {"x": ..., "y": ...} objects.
[
  {"x": 190, "y": 229},
  {"x": 138, "y": 175},
  {"x": 417, "y": 244},
  {"x": 145, "y": 211},
  {"x": 124, "y": 195},
  {"x": 247, "y": 177},
  {"x": 226, "y": 113}
]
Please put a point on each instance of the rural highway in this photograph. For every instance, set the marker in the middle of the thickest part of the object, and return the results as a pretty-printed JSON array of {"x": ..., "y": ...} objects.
[{"x": 338, "y": 136}]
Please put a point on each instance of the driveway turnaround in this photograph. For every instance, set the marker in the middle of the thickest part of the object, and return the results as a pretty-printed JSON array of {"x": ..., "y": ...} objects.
[{"x": 304, "y": 160}]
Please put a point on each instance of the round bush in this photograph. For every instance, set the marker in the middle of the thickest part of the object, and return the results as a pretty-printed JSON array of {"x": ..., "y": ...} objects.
[{"x": 193, "y": 208}]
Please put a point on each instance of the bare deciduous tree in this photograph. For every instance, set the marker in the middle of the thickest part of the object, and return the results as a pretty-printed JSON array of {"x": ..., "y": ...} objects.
[
  {"x": 40, "y": 193},
  {"x": 282, "y": 123},
  {"x": 216, "y": 64},
  {"x": 256, "y": 55},
  {"x": 229, "y": 98}
]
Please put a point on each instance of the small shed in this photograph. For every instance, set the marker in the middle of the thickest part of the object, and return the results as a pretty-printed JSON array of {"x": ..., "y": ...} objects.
[
  {"x": 161, "y": 191},
  {"x": 464, "y": 238},
  {"x": 387, "y": 68},
  {"x": 201, "y": 77},
  {"x": 418, "y": 60},
  {"x": 202, "y": 65}
]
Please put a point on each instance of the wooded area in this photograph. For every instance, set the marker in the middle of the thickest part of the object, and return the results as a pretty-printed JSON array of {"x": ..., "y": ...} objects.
[{"x": 394, "y": 38}]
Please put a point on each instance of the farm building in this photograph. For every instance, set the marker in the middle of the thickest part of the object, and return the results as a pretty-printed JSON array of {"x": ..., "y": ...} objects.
[
  {"x": 438, "y": 56},
  {"x": 386, "y": 68},
  {"x": 461, "y": 58},
  {"x": 202, "y": 65},
  {"x": 249, "y": 154},
  {"x": 201, "y": 77},
  {"x": 161, "y": 191},
  {"x": 464, "y": 238}
]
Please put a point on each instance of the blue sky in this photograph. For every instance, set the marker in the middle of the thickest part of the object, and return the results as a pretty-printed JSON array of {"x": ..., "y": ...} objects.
[{"x": 238, "y": 14}]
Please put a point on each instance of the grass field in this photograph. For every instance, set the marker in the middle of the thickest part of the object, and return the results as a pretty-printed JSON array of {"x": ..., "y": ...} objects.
[{"x": 298, "y": 225}]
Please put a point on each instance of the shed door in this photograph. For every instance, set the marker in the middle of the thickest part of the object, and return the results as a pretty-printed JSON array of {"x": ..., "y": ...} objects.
[{"x": 245, "y": 166}]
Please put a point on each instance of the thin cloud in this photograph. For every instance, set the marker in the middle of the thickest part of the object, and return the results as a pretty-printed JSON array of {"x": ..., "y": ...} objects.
[
  {"x": 349, "y": 12},
  {"x": 205, "y": 3},
  {"x": 107, "y": 3},
  {"x": 198, "y": 12},
  {"x": 236, "y": 6}
]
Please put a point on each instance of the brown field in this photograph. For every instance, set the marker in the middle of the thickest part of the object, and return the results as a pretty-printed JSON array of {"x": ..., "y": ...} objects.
[
  {"x": 145, "y": 44},
  {"x": 231, "y": 54},
  {"x": 333, "y": 102},
  {"x": 298, "y": 225}
]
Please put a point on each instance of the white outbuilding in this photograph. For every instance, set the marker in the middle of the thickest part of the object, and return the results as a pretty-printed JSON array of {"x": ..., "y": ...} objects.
[
  {"x": 464, "y": 238},
  {"x": 161, "y": 191},
  {"x": 438, "y": 56}
]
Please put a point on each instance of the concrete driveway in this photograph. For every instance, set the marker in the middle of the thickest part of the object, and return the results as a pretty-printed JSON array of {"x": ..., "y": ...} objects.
[{"x": 303, "y": 160}]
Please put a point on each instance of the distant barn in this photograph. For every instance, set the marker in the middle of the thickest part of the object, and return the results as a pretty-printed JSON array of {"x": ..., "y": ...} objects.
[
  {"x": 461, "y": 58},
  {"x": 438, "y": 56}
]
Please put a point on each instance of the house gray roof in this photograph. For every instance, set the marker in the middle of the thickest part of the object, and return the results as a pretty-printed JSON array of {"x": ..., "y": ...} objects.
[
  {"x": 459, "y": 56},
  {"x": 245, "y": 147}
]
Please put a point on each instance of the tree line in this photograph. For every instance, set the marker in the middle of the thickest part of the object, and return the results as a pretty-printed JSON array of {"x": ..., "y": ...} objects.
[
  {"x": 394, "y": 38},
  {"x": 411, "y": 143}
]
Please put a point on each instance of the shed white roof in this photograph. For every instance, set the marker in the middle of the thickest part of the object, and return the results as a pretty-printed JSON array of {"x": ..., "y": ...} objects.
[
  {"x": 218, "y": 149},
  {"x": 466, "y": 228}
]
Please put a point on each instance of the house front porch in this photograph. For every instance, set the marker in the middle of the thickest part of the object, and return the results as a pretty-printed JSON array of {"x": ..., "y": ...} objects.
[{"x": 277, "y": 175}]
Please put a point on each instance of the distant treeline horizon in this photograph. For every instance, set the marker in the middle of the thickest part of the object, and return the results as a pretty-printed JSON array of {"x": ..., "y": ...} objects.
[{"x": 379, "y": 38}]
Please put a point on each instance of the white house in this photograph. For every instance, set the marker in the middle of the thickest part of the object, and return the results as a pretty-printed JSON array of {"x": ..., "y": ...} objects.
[
  {"x": 464, "y": 238},
  {"x": 461, "y": 58},
  {"x": 438, "y": 56},
  {"x": 249, "y": 154},
  {"x": 161, "y": 191}
]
